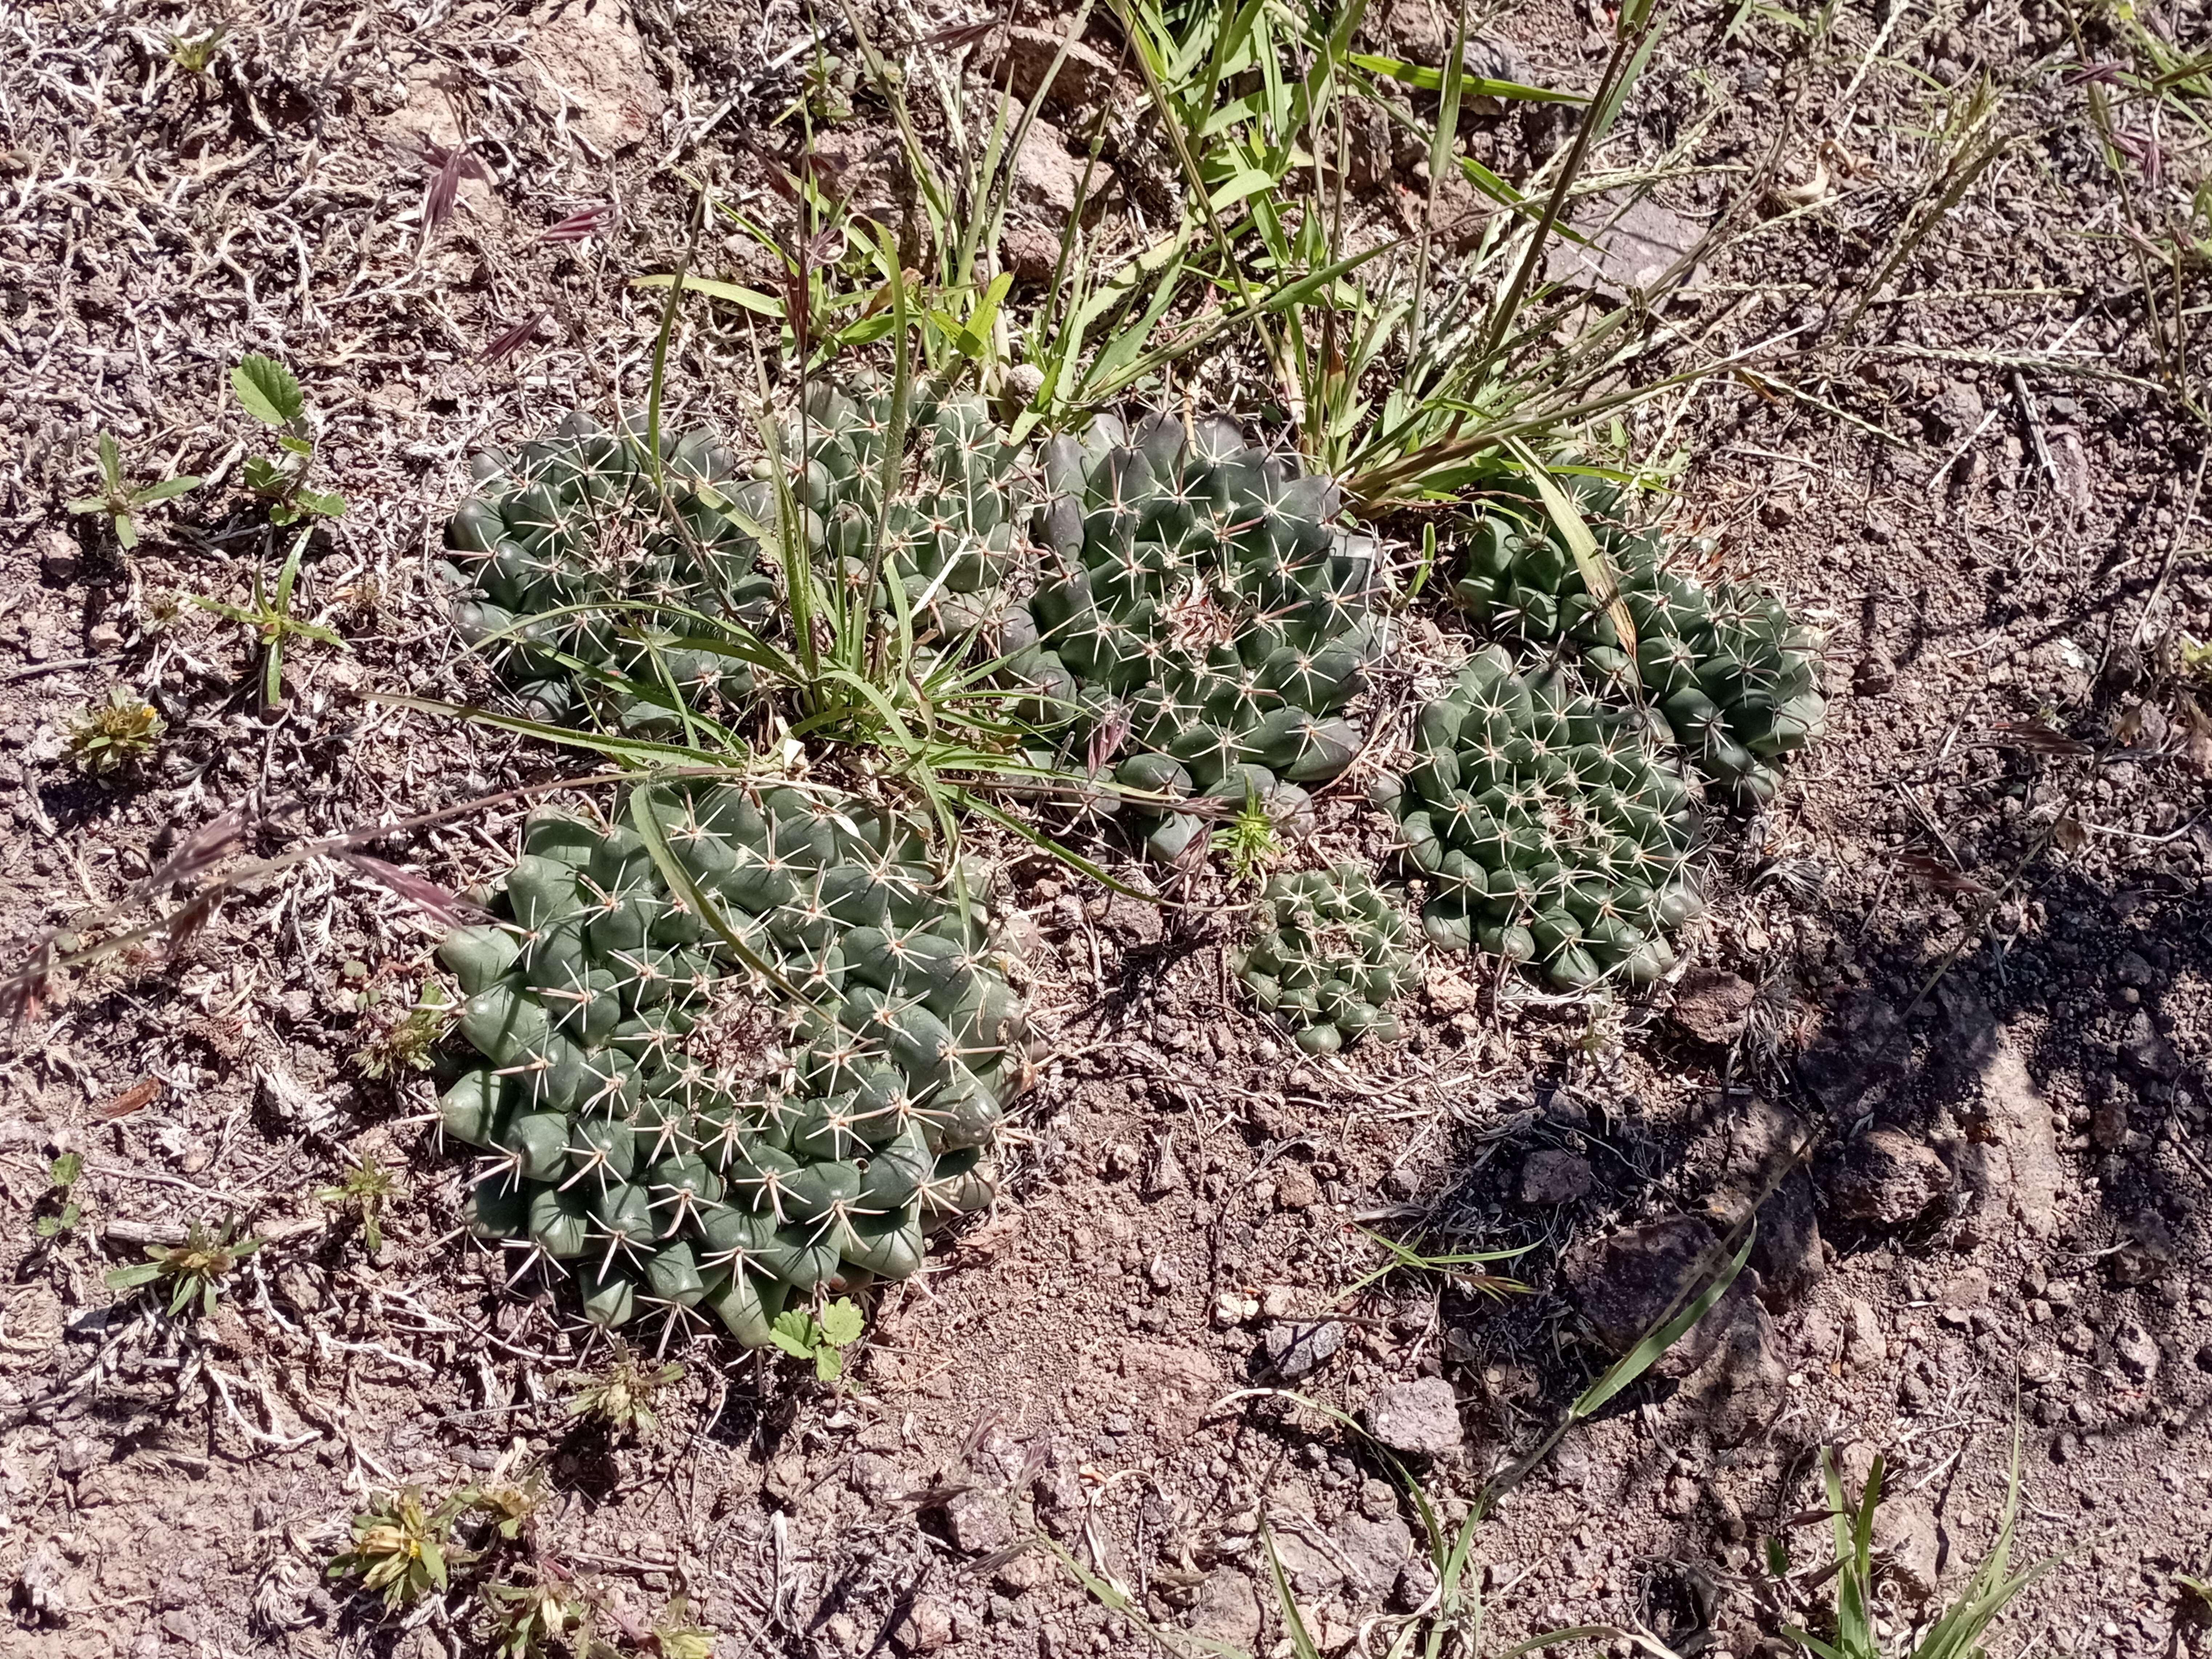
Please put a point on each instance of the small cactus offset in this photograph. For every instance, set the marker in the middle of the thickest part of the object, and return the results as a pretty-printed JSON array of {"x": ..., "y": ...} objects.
[
  {"x": 1730, "y": 679},
  {"x": 613, "y": 599},
  {"x": 1330, "y": 953},
  {"x": 1547, "y": 829},
  {"x": 620, "y": 1141},
  {"x": 1201, "y": 614}
]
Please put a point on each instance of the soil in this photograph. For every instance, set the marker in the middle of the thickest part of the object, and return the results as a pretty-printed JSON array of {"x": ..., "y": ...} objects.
[{"x": 1946, "y": 1028}]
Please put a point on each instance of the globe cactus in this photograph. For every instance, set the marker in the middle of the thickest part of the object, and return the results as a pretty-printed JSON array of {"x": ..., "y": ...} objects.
[
  {"x": 1200, "y": 622},
  {"x": 1546, "y": 827},
  {"x": 622, "y": 1144},
  {"x": 1329, "y": 954},
  {"x": 1726, "y": 674},
  {"x": 612, "y": 598}
]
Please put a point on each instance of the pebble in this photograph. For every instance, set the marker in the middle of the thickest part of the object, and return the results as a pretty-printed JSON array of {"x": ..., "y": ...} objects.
[
  {"x": 1419, "y": 1417},
  {"x": 1549, "y": 1177},
  {"x": 1296, "y": 1352}
]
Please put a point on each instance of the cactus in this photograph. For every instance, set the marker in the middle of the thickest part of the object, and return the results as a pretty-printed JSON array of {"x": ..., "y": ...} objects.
[
  {"x": 1200, "y": 622},
  {"x": 1547, "y": 828},
  {"x": 1329, "y": 954},
  {"x": 1729, "y": 677},
  {"x": 618, "y": 1140},
  {"x": 610, "y": 599}
]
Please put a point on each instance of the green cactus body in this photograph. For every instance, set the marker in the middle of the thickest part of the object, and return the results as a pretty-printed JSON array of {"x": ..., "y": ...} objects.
[
  {"x": 615, "y": 1141},
  {"x": 1200, "y": 622},
  {"x": 1726, "y": 674},
  {"x": 1331, "y": 952},
  {"x": 1546, "y": 827},
  {"x": 609, "y": 599}
]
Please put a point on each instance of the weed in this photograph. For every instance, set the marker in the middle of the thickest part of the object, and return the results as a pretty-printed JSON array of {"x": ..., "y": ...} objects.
[
  {"x": 195, "y": 54},
  {"x": 1248, "y": 841},
  {"x": 193, "y": 1271},
  {"x": 408, "y": 1043},
  {"x": 122, "y": 735},
  {"x": 120, "y": 498},
  {"x": 678, "y": 1637},
  {"x": 622, "y": 1398},
  {"x": 823, "y": 1339},
  {"x": 1958, "y": 1631},
  {"x": 270, "y": 393},
  {"x": 61, "y": 1175},
  {"x": 270, "y": 617},
  {"x": 367, "y": 1184},
  {"x": 402, "y": 1550},
  {"x": 528, "y": 1613}
]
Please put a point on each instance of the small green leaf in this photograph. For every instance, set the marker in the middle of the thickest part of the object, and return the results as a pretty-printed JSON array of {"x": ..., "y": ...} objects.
[
  {"x": 433, "y": 1560},
  {"x": 294, "y": 446},
  {"x": 110, "y": 462},
  {"x": 46, "y": 1226},
  {"x": 129, "y": 1278},
  {"x": 263, "y": 474},
  {"x": 794, "y": 1332},
  {"x": 126, "y": 530},
  {"x": 85, "y": 504},
  {"x": 167, "y": 489},
  {"x": 843, "y": 1323},
  {"x": 267, "y": 390},
  {"x": 65, "y": 1169},
  {"x": 828, "y": 1364},
  {"x": 327, "y": 502}
]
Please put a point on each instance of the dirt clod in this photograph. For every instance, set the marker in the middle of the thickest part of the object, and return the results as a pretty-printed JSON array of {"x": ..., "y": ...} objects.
[
  {"x": 1885, "y": 1177},
  {"x": 1419, "y": 1418}
]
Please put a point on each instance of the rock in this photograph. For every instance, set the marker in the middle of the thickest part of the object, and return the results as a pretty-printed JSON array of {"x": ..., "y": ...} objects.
[
  {"x": 1786, "y": 1253},
  {"x": 1861, "y": 1045},
  {"x": 978, "y": 1522},
  {"x": 1084, "y": 77},
  {"x": 2128, "y": 968},
  {"x": 1818, "y": 1337},
  {"x": 1622, "y": 248},
  {"x": 926, "y": 1627},
  {"x": 1227, "y": 1609},
  {"x": 1743, "y": 1387},
  {"x": 1295, "y": 1186},
  {"x": 593, "y": 74},
  {"x": 1885, "y": 1177},
  {"x": 1957, "y": 409},
  {"x": 1905, "y": 1541},
  {"x": 1865, "y": 1348},
  {"x": 1710, "y": 1003},
  {"x": 1875, "y": 673},
  {"x": 2010, "y": 1159},
  {"x": 2146, "y": 1053},
  {"x": 2108, "y": 1124},
  {"x": 2136, "y": 1350},
  {"x": 1419, "y": 1418},
  {"x": 1417, "y": 1582},
  {"x": 58, "y": 556},
  {"x": 1965, "y": 1290},
  {"x": 1549, "y": 1177},
  {"x": 1233, "y": 1307},
  {"x": 1374, "y": 1549},
  {"x": 1164, "y": 1172},
  {"x": 1045, "y": 176},
  {"x": 1625, "y": 1284},
  {"x": 1027, "y": 1571},
  {"x": 1296, "y": 1351}
]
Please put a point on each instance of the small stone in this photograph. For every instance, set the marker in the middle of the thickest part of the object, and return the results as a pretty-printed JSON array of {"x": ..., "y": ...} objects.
[
  {"x": 1884, "y": 1176},
  {"x": 104, "y": 637},
  {"x": 2136, "y": 1350},
  {"x": 926, "y": 1627},
  {"x": 1234, "y": 1307},
  {"x": 1295, "y": 1186},
  {"x": 1818, "y": 1337},
  {"x": 2108, "y": 1124},
  {"x": 1710, "y": 1003},
  {"x": 978, "y": 1522},
  {"x": 1625, "y": 1283},
  {"x": 1417, "y": 1582},
  {"x": 2148, "y": 1053},
  {"x": 1549, "y": 1177},
  {"x": 1419, "y": 1417},
  {"x": 1864, "y": 1346},
  {"x": 1278, "y": 1301},
  {"x": 1296, "y": 1351},
  {"x": 1375, "y": 1549},
  {"x": 58, "y": 556},
  {"x": 2131, "y": 969},
  {"x": 1905, "y": 1537},
  {"x": 1227, "y": 1609},
  {"x": 1025, "y": 1572},
  {"x": 1121, "y": 1161},
  {"x": 1161, "y": 1275}
]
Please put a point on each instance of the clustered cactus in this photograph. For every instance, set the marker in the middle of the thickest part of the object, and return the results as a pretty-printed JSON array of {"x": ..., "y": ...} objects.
[
  {"x": 615, "y": 600},
  {"x": 1546, "y": 827},
  {"x": 1202, "y": 615},
  {"x": 1329, "y": 955},
  {"x": 1728, "y": 676},
  {"x": 624, "y": 1145},
  {"x": 603, "y": 596}
]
